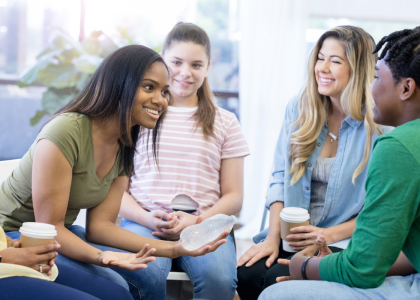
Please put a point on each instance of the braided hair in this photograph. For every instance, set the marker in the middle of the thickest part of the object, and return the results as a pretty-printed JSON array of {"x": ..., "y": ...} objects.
[{"x": 402, "y": 54}]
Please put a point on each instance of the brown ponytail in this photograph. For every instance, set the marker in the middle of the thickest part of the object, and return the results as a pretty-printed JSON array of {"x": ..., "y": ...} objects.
[{"x": 206, "y": 112}]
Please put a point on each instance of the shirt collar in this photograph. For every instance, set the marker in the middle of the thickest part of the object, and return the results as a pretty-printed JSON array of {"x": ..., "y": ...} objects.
[{"x": 352, "y": 122}]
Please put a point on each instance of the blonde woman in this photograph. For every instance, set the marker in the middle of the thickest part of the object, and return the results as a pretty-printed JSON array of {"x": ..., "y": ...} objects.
[{"x": 321, "y": 154}]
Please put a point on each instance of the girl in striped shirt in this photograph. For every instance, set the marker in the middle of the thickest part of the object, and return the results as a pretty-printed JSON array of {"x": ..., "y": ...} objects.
[{"x": 199, "y": 172}]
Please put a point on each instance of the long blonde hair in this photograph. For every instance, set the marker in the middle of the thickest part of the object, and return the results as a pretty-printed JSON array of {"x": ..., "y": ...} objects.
[{"x": 356, "y": 99}]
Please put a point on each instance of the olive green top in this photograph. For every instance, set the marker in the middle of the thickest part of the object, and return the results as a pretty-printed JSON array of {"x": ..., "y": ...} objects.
[{"x": 72, "y": 134}]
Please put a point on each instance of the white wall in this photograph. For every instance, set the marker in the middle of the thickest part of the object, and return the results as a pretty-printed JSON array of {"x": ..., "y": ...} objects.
[
  {"x": 386, "y": 10},
  {"x": 272, "y": 58}
]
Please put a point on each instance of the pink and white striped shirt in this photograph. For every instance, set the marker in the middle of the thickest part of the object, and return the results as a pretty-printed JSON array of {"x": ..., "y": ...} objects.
[{"x": 188, "y": 164}]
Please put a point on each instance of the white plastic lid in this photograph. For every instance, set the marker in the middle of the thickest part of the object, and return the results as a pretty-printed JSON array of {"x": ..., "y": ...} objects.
[
  {"x": 38, "y": 230},
  {"x": 294, "y": 215}
]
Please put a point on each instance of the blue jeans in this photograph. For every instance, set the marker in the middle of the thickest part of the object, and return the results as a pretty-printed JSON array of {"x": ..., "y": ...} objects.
[
  {"x": 127, "y": 279},
  {"x": 70, "y": 284},
  {"x": 395, "y": 288},
  {"x": 212, "y": 275}
]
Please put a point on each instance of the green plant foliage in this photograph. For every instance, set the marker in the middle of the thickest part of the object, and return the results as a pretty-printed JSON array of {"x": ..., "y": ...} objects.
[
  {"x": 54, "y": 99},
  {"x": 88, "y": 63},
  {"x": 66, "y": 66},
  {"x": 38, "y": 116},
  {"x": 59, "y": 76}
]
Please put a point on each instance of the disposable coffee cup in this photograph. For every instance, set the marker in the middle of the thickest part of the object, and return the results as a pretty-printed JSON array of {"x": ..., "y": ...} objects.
[
  {"x": 33, "y": 234},
  {"x": 292, "y": 217}
]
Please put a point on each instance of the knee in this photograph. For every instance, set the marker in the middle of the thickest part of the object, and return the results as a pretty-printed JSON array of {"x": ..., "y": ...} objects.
[
  {"x": 247, "y": 276},
  {"x": 288, "y": 290},
  {"x": 274, "y": 272},
  {"x": 224, "y": 281}
]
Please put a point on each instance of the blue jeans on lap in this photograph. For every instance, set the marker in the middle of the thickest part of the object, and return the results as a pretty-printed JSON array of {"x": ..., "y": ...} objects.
[
  {"x": 70, "y": 284},
  {"x": 126, "y": 279},
  {"x": 212, "y": 275},
  {"x": 395, "y": 288}
]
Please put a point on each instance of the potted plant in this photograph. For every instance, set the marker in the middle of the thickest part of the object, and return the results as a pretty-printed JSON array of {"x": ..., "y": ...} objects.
[{"x": 66, "y": 65}]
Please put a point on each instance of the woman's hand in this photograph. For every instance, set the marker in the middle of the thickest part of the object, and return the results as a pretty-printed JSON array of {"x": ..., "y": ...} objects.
[
  {"x": 31, "y": 257},
  {"x": 127, "y": 261},
  {"x": 179, "y": 250},
  {"x": 173, "y": 234},
  {"x": 270, "y": 248},
  {"x": 303, "y": 236},
  {"x": 156, "y": 223},
  {"x": 11, "y": 243},
  {"x": 209, "y": 247},
  {"x": 297, "y": 260}
]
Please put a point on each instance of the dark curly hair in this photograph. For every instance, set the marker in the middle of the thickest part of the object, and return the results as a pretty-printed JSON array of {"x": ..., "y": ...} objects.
[{"x": 402, "y": 54}]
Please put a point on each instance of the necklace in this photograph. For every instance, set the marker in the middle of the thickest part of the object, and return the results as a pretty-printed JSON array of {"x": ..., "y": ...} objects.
[{"x": 334, "y": 138}]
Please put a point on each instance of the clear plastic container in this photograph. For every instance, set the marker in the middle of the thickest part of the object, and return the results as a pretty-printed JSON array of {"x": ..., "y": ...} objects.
[{"x": 196, "y": 236}]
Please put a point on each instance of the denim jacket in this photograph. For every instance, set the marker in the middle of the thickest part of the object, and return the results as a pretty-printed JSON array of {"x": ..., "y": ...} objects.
[{"x": 344, "y": 200}]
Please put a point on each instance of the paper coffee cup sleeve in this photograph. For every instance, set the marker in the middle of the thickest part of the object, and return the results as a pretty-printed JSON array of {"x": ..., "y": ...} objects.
[{"x": 11, "y": 270}]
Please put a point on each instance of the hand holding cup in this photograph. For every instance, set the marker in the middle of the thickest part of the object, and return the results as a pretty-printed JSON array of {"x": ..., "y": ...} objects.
[
  {"x": 32, "y": 257},
  {"x": 303, "y": 236},
  {"x": 292, "y": 217}
]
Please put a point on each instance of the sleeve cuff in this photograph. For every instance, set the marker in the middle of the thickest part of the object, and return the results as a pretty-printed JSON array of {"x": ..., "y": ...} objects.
[
  {"x": 275, "y": 194},
  {"x": 325, "y": 266}
]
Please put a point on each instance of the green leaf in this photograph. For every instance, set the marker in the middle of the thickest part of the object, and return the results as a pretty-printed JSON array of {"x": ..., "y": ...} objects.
[
  {"x": 38, "y": 116},
  {"x": 31, "y": 75},
  {"x": 158, "y": 48},
  {"x": 88, "y": 63},
  {"x": 68, "y": 55},
  {"x": 54, "y": 99},
  {"x": 68, "y": 39},
  {"x": 124, "y": 33},
  {"x": 84, "y": 79},
  {"x": 59, "y": 76},
  {"x": 92, "y": 46},
  {"x": 59, "y": 42},
  {"x": 49, "y": 55},
  {"x": 45, "y": 51},
  {"x": 96, "y": 34}
]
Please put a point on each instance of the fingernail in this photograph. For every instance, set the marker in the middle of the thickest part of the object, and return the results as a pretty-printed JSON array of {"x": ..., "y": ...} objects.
[{"x": 289, "y": 237}]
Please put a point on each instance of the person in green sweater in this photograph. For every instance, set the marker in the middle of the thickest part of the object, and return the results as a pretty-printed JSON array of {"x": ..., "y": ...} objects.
[{"x": 383, "y": 258}]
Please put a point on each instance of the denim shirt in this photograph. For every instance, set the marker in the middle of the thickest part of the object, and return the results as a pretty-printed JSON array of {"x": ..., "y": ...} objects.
[{"x": 344, "y": 200}]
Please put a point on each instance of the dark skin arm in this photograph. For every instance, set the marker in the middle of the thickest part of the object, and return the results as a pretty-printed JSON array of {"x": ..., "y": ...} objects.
[
  {"x": 401, "y": 267},
  {"x": 30, "y": 257},
  {"x": 52, "y": 175}
]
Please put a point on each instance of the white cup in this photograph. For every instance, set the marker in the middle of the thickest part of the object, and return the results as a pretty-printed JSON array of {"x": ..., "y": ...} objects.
[
  {"x": 292, "y": 217},
  {"x": 33, "y": 234}
]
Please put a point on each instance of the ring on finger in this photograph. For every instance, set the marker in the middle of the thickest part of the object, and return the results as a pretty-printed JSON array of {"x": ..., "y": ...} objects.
[{"x": 40, "y": 268}]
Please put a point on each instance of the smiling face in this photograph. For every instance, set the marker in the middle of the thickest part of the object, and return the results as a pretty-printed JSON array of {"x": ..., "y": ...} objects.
[
  {"x": 387, "y": 107},
  {"x": 189, "y": 66},
  {"x": 152, "y": 96},
  {"x": 332, "y": 69}
]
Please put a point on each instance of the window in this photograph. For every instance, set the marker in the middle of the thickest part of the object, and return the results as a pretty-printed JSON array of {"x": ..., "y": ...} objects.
[
  {"x": 376, "y": 28},
  {"x": 27, "y": 27}
]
